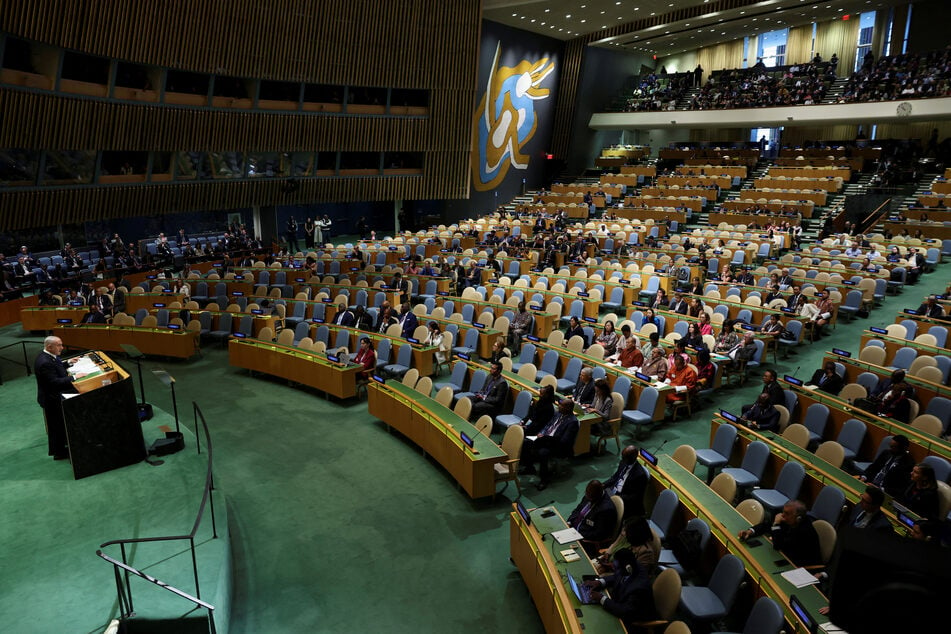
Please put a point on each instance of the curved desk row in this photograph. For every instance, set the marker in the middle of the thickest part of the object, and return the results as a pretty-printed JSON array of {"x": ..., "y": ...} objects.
[
  {"x": 819, "y": 473},
  {"x": 437, "y": 431},
  {"x": 763, "y": 564},
  {"x": 545, "y": 572},
  {"x": 922, "y": 444},
  {"x": 294, "y": 364}
]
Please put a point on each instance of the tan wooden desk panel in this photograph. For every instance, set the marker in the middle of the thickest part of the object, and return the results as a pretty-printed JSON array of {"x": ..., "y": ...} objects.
[
  {"x": 180, "y": 344},
  {"x": 829, "y": 185},
  {"x": 135, "y": 301},
  {"x": 475, "y": 472},
  {"x": 300, "y": 366},
  {"x": 44, "y": 317},
  {"x": 878, "y": 428}
]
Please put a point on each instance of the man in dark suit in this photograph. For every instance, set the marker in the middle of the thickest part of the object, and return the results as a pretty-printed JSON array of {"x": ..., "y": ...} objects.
[
  {"x": 401, "y": 286},
  {"x": 490, "y": 399},
  {"x": 762, "y": 414},
  {"x": 931, "y": 308},
  {"x": 631, "y": 597},
  {"x": 792, "y": 533},
  {"x": 678, "y": 304},
  {"x": 868, "y": 512},
  {"x": 583, "y": 393},
  {"x": 772, "y": 388},
  {"x": 118, "y": 297},
  {"x": 891, "y": 470},
  {"x": 52, "y": 381},
  {"x": 557, "y": 438},
  {"x": 595, "y": 518},
  {"x": 408, "y": 321},
  {"x": 94, "y": 316},
  {"x": 827, "y": 379},
  {"x": 101, "y": 301},
  {"x": 385, "y": 318},
  {"x": 629, "y": 481},
  {"x": 343, "y": 317}
]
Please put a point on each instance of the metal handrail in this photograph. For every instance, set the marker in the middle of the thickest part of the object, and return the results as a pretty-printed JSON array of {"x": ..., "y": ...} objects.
[
  {"x": 123, "y": 599},
  {"x": 123, "y": 584},
  {"x": 877, "y": 214},
  {"x": 25, "y": 363}
]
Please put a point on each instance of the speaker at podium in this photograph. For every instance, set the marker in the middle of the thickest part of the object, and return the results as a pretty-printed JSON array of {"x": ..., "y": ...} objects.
[{"x": 102, "y": 421}]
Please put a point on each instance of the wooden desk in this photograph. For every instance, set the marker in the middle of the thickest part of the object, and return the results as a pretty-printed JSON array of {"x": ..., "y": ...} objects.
[
  {"x": 423, "y": 356},
  {"x": 639, "y": 170},
  {"x": 294, "y": 364},
  {"x": 694, "y": 203},
  {"x": 816, "y": 197},
  {"x": 723, "y": 182},
  {"x": 825, "y": 184},
  {"x": 734, "y": 218},
  {"x": 148, "y": 301},
  {"x": 709, "y": 195},
  {"x": 738, "y": 206},
  {"x": 160, "y": 342},
  {"x": 924, "y": 390},
  {"x": 819, "y": 473},
  {"x": 812, "y": 172},
  {"x": 894, "y": 344},
  {"x": 436, "y": 430},
  {"x": 11, "y": 311},
  {"x": 545, "y": 575},
  {"x": 46, "y": 317},
  {"x": 699, "y": 500},
  {"x": 877, "y": 427},
  {"x": 935, "y": 230},
  {"x": 518, "y": 384},
  {"x": 612, "y": 372}
]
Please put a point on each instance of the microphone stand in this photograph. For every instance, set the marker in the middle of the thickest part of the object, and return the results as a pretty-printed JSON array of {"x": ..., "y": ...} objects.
[{"x": 145, "y": 410}]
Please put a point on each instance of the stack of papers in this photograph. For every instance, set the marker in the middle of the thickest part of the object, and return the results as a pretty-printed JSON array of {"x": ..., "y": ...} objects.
[{"x": 85, "y": 365}]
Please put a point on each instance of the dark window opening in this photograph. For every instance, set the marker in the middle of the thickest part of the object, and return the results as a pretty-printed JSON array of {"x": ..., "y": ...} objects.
[
  {"x": 233, "y": 87},
  {"x": 16, "y": 55},
  {"x": 280, "y": 91},
  {"x": 87, "y": 68},
  {"x": 187, "y": 83},
  {"x": 323, "y": 93},
  {"x": 133, "y": 76}
]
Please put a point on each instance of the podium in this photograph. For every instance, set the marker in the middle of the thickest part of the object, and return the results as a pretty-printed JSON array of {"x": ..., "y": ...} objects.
[{"x": 102, "y": 421}]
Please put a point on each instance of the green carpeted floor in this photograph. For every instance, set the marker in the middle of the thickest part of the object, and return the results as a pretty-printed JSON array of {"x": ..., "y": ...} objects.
[{"x": 337, "y": 525}]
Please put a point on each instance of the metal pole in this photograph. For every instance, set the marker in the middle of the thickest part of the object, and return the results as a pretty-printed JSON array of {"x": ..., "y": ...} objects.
[
  {"x": 175, "y": 409},
  {"x": 26, "y": 361},
  {"x": 191, "y": 540},
  {"x": 128, "y": 585}
]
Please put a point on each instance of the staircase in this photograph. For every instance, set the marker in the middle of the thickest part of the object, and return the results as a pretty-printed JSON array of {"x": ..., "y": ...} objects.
[
  {"x": 835, "y": 91},
  {"x": 684, "y": 102}
]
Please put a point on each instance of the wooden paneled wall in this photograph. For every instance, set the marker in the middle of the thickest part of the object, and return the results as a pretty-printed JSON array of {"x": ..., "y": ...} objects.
[
  {"x": 65, "y": 122},
  {"x": 392, "y": 43},
  {"x": 421, "y": 44},
  {"x": 47, "y": 207}
]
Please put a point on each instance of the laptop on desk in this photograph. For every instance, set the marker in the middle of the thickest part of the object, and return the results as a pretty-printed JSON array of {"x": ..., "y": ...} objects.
[{"x": 581, "y": 591}]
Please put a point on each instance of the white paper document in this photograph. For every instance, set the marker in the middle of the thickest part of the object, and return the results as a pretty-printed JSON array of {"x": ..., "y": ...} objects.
[
  {"x": 566, "y": 536},
  {"x": 800, "y": 577}
]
